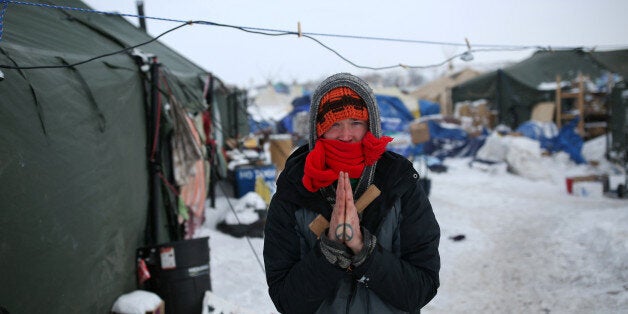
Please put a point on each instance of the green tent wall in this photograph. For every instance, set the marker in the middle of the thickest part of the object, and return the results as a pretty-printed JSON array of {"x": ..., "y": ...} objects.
[
  {"x": 73, "y": 156},
  {"x": 514, "y": 90}
]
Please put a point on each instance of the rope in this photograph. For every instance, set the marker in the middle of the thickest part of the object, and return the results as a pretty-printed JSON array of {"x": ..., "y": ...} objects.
[
  {"x": 245, "y": 236},
  {"x": 270, "y": 32}
]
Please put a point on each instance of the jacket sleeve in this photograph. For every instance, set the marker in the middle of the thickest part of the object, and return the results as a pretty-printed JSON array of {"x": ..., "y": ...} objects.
[
  {"x": 296, "y": 284},
  {"x": 410, "y": 281}
]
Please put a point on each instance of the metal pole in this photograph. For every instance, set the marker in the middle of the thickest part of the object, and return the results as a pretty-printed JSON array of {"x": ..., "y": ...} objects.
[
  {"x": 155, "y": 161},
  {"x": 140, "y": 12}
]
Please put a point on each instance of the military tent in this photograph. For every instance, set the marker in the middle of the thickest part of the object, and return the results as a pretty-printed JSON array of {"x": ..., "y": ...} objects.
[
  {"x": 514, "y": 90},
  {"x": 84, "y": 183}
]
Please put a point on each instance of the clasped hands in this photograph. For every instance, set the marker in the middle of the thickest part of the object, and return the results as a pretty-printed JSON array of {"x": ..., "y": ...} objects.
[{"x": 344, "y": 226}]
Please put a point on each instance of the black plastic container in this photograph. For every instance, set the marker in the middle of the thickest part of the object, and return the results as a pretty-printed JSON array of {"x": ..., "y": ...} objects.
[{"x": 179, "y": 273}]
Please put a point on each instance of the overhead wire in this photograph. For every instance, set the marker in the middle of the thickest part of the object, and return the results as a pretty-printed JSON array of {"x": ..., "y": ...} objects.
[
  {"x": 272, "y": 32},
  {"x": 4, "y": 66},
  {"x": 254, "y": 30}
]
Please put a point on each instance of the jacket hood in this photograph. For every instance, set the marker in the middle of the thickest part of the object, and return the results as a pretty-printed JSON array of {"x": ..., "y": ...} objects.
[
  {"x": 357, "y": 85},
  {"x": 366, "y": 93}
]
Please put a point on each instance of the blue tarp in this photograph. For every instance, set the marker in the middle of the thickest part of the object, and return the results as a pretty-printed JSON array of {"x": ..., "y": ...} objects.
[
  {"x": 299, "y": 104},
  {"x": 427, "y": 107},
  {"x": 258, "y": 126},
  {"x": 566, "y": 140},
  {"x": 544, "y": 133},
  {"x": 449, "y": 141},
  {"x": 394, "y": 115}
]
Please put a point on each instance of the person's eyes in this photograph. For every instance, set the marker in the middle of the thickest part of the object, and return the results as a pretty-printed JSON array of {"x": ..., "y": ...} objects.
[{"x": 358, "y": 123}]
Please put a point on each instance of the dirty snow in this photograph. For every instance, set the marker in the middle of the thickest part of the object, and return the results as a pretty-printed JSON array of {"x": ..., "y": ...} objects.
[{"x": 528, "y": 247}]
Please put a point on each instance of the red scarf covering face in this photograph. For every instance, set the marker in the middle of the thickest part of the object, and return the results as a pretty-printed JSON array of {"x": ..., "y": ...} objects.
[{"x": 329, "y": 157}]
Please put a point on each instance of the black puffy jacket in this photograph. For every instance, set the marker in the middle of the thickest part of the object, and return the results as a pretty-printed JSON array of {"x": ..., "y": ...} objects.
[{"x": 400, "y": 276}]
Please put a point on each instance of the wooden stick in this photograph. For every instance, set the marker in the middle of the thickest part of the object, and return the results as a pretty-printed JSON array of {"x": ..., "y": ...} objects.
[{"x": 319, "y": 224}]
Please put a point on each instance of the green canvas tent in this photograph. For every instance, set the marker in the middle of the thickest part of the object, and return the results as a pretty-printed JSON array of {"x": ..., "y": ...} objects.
[
  {"x": 74, "y": 148},
  {"x": 514, "y": 90}
]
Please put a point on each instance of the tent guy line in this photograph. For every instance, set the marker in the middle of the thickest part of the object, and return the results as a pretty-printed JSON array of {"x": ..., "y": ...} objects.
[
  {"x": 263, "y": 31},
  {"x": 282, "y": 32},
  {"x": 185, "y": 23},
  {"x": 248, "y": 239}
]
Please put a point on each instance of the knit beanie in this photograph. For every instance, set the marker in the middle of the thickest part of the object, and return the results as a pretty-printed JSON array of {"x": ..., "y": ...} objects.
[
  {"x": 352, "y": 89},
  {"x": 338, "y": 104}
]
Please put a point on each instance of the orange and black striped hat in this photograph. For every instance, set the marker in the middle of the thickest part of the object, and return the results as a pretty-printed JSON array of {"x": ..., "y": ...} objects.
[{"x": 338, "y": 104}]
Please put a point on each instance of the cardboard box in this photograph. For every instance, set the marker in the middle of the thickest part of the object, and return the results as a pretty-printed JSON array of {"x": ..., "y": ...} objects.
[
  {"x": 590, "y": 185},
  {"x": 280, "y": 149},
  {"x": 476, "y": 115},
  {"x": 419, "y": 132},
  {"x": 588, "y": 188},
  {"x": 543, "y": 112}
]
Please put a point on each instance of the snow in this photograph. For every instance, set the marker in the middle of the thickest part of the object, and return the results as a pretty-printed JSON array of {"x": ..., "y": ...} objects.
[
  {"x": 528, "y": 247},
  {"x": 136, "y": 302}
]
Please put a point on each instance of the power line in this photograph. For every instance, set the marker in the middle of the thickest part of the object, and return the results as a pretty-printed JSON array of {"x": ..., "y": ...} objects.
[{"x": 276, "y": 32}]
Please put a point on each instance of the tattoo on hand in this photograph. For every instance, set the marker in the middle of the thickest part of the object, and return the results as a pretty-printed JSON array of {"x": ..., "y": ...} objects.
[
  {"x": 340, "y": 232},
  {"x": 344, "y": 232}
]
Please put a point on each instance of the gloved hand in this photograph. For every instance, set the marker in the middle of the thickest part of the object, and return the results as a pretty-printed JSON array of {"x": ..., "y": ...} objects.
[
  {"x": 336, "y": 253},
  {"x": 340, "y": 255},
  {"x": 369, "y": 245}
]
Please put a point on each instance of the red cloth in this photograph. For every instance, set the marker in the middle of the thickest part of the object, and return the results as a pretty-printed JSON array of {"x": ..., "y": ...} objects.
[{"x": 329, "y": 157}]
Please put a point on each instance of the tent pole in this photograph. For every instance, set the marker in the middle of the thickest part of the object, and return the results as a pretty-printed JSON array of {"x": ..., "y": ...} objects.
[
  {"x": 140, "y": 12},
  {"x": 155, "y": 142},
  {"x": 210, "y": 144}
]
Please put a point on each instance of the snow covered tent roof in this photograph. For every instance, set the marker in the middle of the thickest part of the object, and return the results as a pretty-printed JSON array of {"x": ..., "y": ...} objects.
[
  {"x": 514, "y": 90},
  {"x": 73, "y": 156}
]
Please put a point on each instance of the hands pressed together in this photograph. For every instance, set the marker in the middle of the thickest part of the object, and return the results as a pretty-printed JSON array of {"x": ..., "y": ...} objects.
[
  {"x": 345, "y": 243},
  {"x": 344, "y": 226}
]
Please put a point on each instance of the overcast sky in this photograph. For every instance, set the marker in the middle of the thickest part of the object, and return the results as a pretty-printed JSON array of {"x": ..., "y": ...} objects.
[{"x": 246, "y": 59}]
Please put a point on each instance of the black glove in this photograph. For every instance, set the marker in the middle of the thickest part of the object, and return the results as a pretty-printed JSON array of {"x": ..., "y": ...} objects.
[
  {"x": 336, "y": 253},
  {"x": 369, "y": 245}
]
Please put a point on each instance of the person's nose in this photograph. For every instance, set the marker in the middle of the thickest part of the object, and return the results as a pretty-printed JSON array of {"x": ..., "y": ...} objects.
[{"x": 345, "y": 134}]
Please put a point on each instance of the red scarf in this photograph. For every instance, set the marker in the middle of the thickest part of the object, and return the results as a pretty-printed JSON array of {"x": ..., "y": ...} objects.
[{"x": 329, "y": 157}]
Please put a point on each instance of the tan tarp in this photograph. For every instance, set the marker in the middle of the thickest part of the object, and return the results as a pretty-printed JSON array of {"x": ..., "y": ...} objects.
[
  {"x": 439, "y": 90},
  {"x": 410, "y": 101}
]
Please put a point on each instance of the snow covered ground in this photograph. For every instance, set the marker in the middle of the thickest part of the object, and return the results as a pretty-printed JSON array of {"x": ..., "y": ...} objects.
[{"x": 528, "y": 247}]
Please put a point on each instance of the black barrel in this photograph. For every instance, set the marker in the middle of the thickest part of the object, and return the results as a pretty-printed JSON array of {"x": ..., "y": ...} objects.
[{"x": 179, "y": 273}]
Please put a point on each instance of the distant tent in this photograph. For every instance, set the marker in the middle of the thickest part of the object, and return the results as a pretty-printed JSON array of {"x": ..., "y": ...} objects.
[
  {"x": 514, "y": 90},
  {"x": 77, "y": 160}
]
